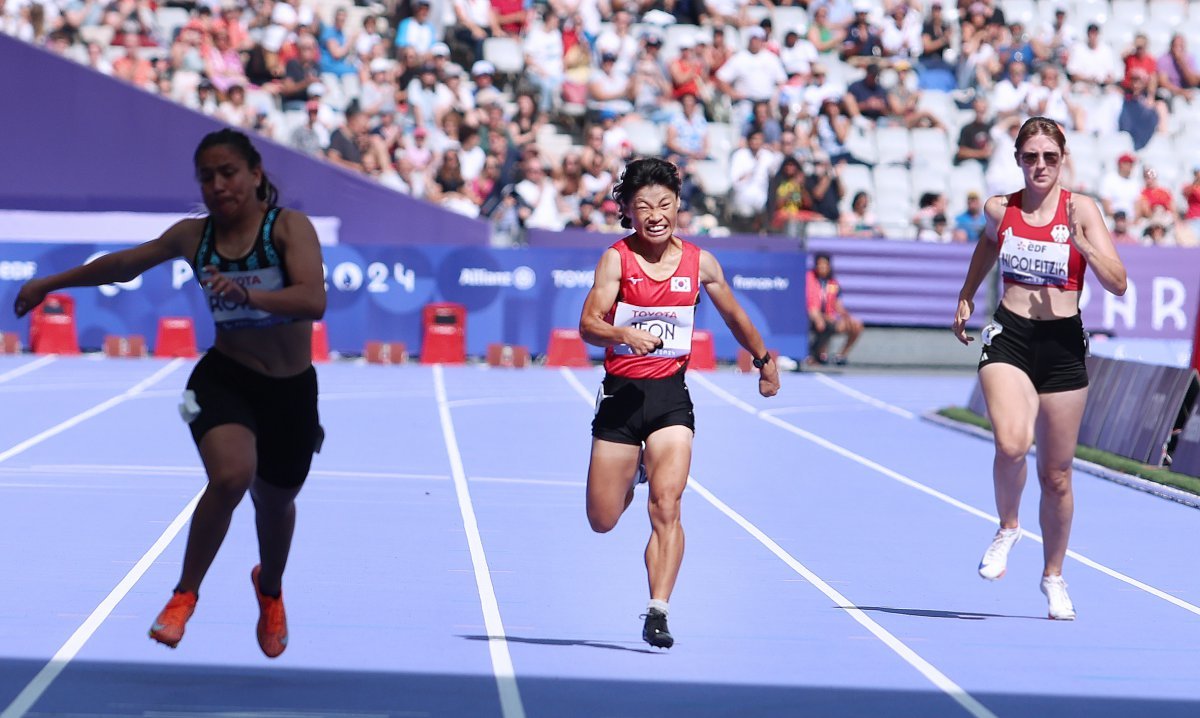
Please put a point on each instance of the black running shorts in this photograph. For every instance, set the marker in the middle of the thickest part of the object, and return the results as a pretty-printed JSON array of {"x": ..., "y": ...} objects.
[
  {"x": 282, "y": 413},
  {"x": 629, "y": 410},
  {"x": 1051, "y": 352}
]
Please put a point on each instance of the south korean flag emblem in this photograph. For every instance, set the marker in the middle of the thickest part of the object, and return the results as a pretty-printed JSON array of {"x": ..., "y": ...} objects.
[
  {"x": 1060, "y": 233},
  {"x": 681, "y": 284}
]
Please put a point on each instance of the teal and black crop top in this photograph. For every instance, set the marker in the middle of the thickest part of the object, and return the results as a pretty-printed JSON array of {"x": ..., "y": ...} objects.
[{"x": 261, "y": 269}]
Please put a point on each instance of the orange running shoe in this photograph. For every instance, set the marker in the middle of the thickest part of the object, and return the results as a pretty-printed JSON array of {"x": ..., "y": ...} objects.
[
  {"x": 168, "y": 627},
  {"x": 272, "y": 620}
]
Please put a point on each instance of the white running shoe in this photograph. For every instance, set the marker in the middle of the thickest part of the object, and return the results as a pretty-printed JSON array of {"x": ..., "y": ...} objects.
[
  {"x": 995, "y": 559},
  {"x": 1055, "y": 589}
]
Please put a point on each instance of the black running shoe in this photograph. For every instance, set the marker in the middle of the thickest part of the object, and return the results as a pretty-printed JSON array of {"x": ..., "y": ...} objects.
[{"x": 655, "y": 632}]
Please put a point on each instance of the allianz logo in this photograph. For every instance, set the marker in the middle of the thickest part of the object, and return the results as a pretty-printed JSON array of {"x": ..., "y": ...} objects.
[{"x": 521, "y": 278}]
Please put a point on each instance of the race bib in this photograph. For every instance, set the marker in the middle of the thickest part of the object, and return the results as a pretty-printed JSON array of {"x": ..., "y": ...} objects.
[
  {"x": 230, "y": 314},
  {"x": 673, "y": 325},
  {"x": 1029, "y": 261}
]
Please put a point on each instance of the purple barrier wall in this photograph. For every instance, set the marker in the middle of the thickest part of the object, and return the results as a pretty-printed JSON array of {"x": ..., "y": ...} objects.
[{"x": 77, "y": 140}]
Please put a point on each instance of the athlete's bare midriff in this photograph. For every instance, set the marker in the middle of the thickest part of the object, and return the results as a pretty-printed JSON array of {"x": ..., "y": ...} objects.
[
  {"x": 281, "y": 350},
  {"x": 1040, "y": 303}
]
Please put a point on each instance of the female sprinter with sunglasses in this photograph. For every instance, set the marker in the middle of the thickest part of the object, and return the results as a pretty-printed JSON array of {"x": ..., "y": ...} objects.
[{"x": 1032, "y": 369}]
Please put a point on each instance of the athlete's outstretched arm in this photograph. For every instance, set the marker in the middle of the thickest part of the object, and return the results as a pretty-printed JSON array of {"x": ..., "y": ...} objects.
[
  {"x": 987, "y": 249},
  {"x": 605, "y": 288},
  {"x": 304, "y": 297},
  {"x": 119, "y": 266},
  {"x": 713, "y": 279},
  {"x": 1090, "y": 235}
]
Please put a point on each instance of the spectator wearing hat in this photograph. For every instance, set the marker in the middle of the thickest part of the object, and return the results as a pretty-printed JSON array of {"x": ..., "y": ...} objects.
[
  {"x": 1154, "y": 201},
  {"x": 819, "y": 90},
  {"x": 454, "y": 93},
  {"x": 476, "y": 22},
  {"x": 417, "y": 30},
  {"x": 587, "y": 217},
  {"x": 545, "y": 65},
  {"x": 1120, "y": 229},
  {"x": 968, "y": 226},
  {"x": 378, "y": 89},
  {"x": 862, "y": 44},
  {"x": 610, "y": 218},
  {"x": 483, "y": 74},
  {"x": 751, "y": 75},
  {"x": 1093, "y": 64},
  {"x": 311, "y": 137},
  {"x": 1119, "y": 189}
]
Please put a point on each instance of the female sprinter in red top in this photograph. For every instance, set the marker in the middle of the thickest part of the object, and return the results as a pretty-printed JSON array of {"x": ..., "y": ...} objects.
[
  {"x": 1032, "y": 369},
  {"x": 251, "y": 402},
  {"x": 641, "y": 309}
]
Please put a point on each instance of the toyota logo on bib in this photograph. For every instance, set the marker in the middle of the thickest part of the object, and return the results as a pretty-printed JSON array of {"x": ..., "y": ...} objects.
[{"x": 1060, "y": 233}]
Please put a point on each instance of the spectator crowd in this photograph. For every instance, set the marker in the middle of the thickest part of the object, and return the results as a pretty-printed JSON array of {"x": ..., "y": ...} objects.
[{"x": 873, "y": 118}]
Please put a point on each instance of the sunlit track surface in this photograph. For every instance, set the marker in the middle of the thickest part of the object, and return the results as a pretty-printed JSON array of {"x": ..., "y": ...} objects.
[{"x": 833, "y": 488}]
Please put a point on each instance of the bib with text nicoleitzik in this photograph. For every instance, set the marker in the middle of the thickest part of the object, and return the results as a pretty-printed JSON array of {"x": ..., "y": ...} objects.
[{"x": 1029, "y": 261}]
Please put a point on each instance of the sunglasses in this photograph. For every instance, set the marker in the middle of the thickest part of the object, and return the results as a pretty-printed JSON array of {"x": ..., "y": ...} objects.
[{"x": 1050, "y": 158}]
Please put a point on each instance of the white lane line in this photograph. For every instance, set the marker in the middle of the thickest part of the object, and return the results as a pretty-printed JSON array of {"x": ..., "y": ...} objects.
[
  {"x": 26, "y": 368},
  {"x": 97, "y": 409},
  {"x": 925, "y": 668},
  {"x": 865, "y": 398},
  {"x": 36, "y": 687},
  {"x": 502, "y": 665},
  {"x": 946, "y": 498}
]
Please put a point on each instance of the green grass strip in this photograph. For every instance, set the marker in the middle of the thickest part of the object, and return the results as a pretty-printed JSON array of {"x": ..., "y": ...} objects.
[{"x": 1125, "y": 465}]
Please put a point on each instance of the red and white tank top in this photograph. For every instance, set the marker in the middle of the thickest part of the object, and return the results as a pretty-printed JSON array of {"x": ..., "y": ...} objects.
[
  {"x": 666, "y": 309},
  {"x": 1039, "y": 256}
]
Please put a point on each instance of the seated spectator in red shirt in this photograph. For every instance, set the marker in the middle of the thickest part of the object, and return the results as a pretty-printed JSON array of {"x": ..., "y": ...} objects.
[
  {"x": 827, "y": 314},
  {"x": 1155, "y": 201}
]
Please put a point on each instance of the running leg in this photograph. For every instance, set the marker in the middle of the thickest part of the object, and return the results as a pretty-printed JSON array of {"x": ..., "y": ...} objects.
[{"x": 610, "y": 482}]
